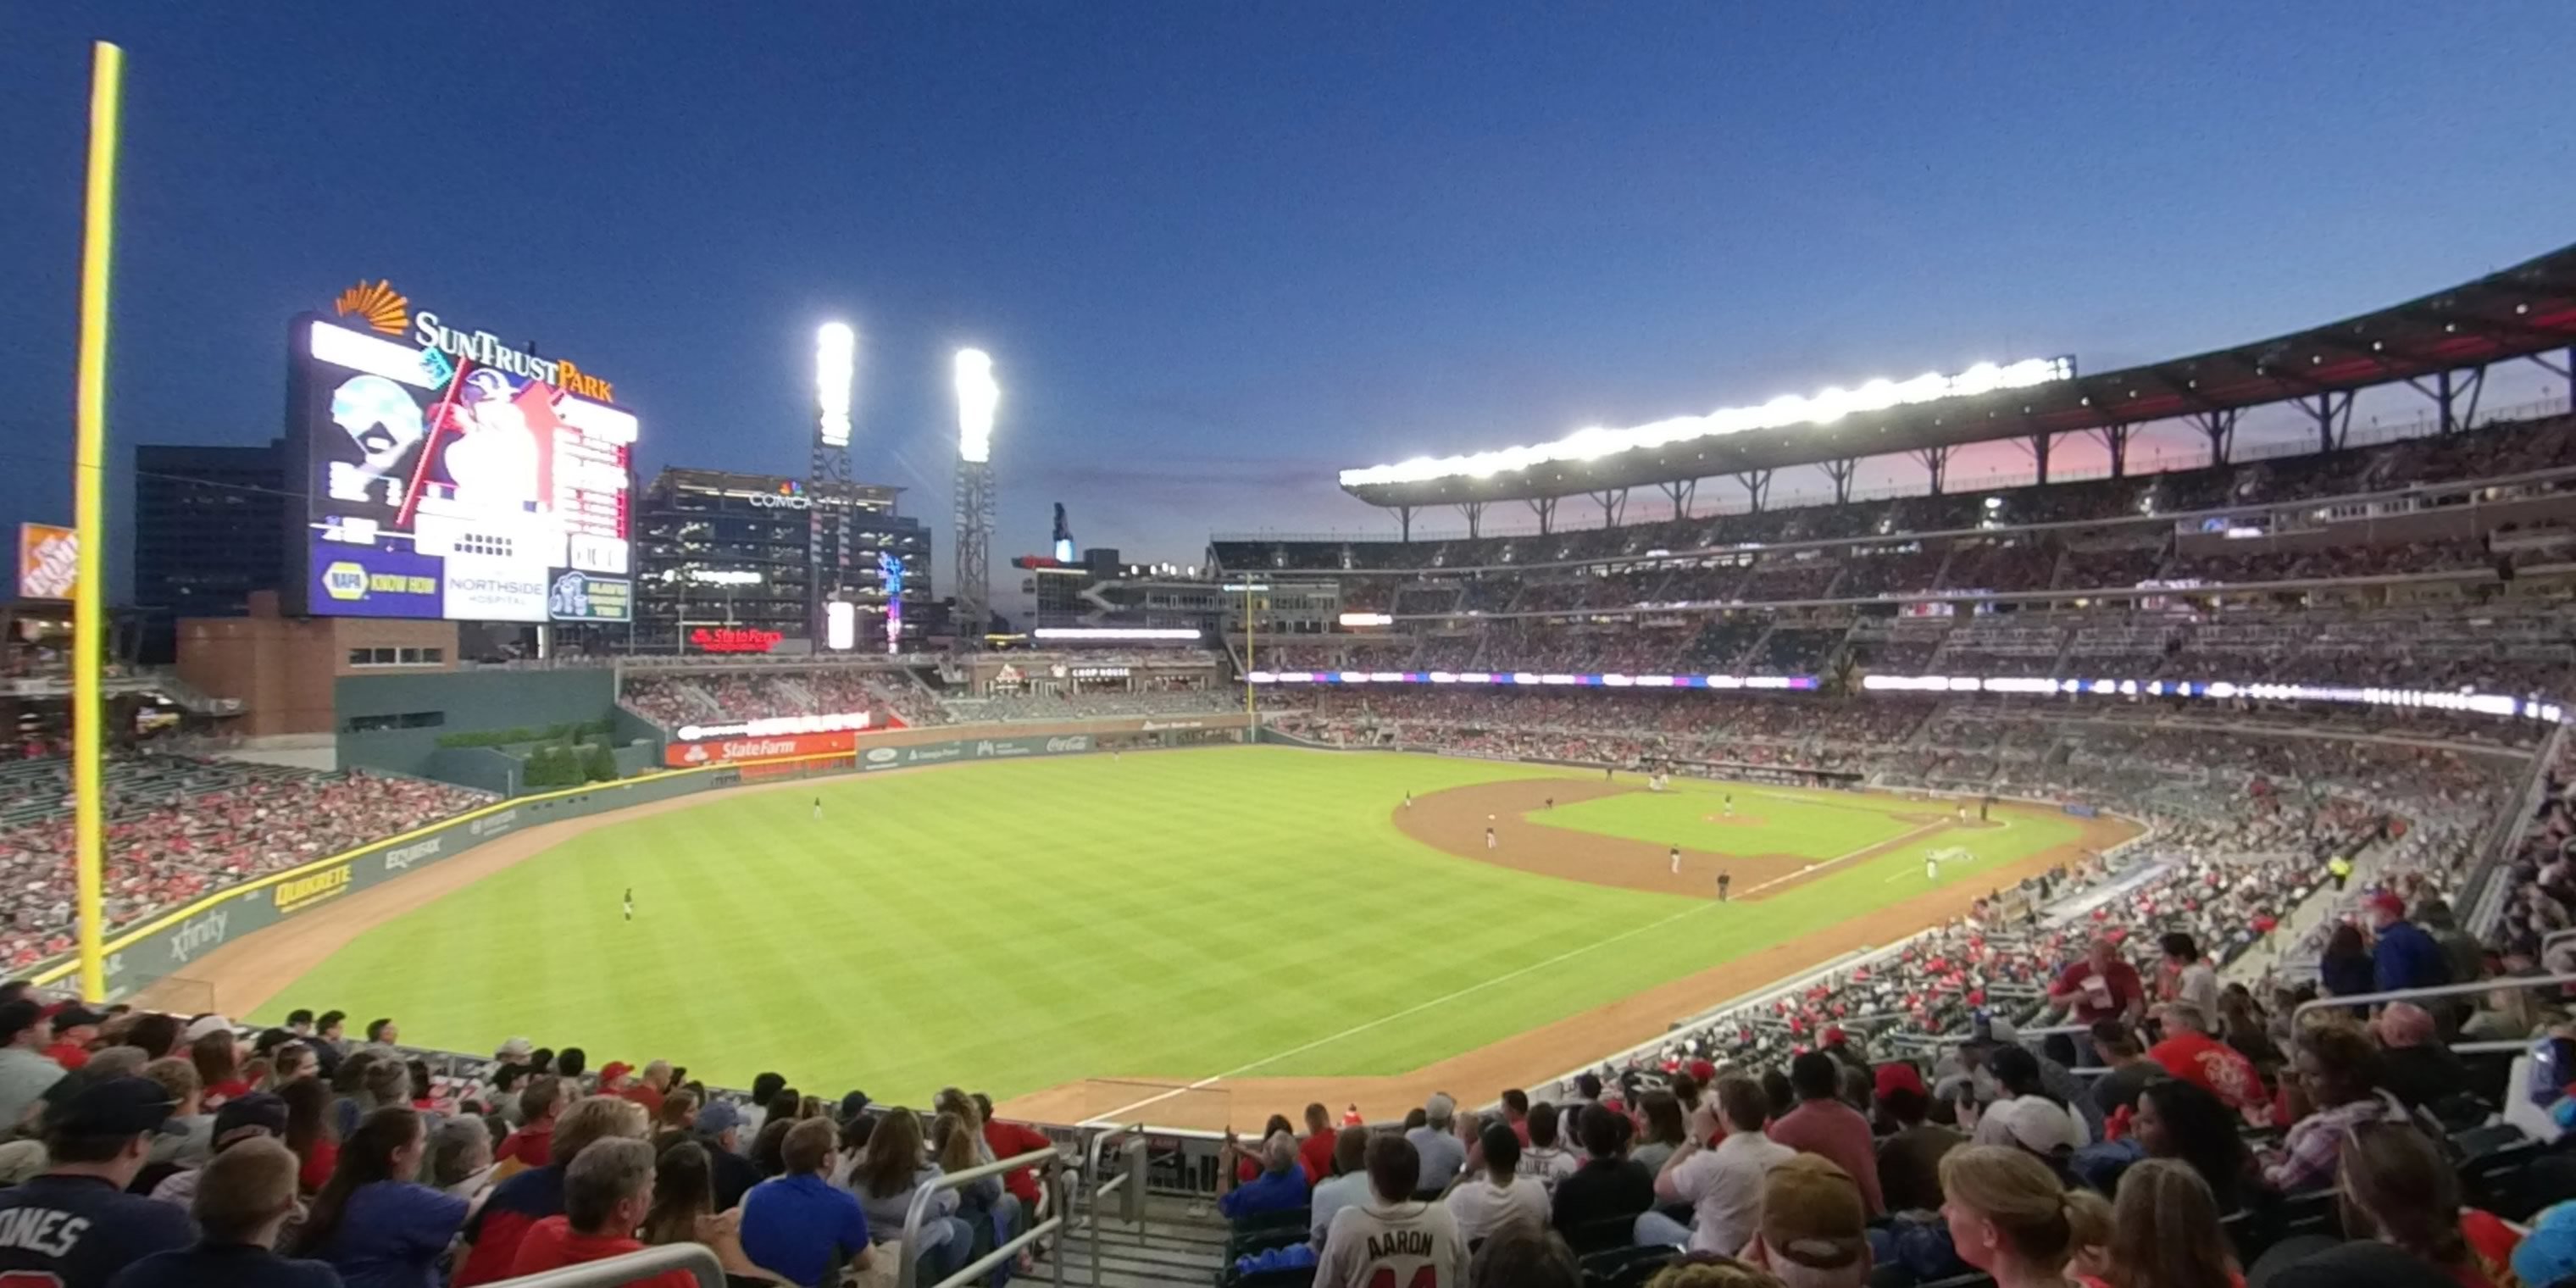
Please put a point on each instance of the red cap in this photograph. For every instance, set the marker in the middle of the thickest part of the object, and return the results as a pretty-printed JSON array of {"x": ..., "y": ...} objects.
[
  {"x": 2386, "y": 901},
  {"x": 1894, "y": 1077},
  {"x": 1351, "y": 1117},
  {"x": 614, "y": 1070},
  {"x": 1834, "y": 1035},
  {"x": 1703, "y": 1072}
]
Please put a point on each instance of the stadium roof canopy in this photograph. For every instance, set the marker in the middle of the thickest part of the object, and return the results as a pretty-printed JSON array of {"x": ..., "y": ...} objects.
[{"x": 2525, "y": 311}]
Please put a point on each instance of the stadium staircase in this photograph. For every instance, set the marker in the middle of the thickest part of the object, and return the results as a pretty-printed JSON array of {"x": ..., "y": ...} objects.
[{"x": 1173, "y": 1244}]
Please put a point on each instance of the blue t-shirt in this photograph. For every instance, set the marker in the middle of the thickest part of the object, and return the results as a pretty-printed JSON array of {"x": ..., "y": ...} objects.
[
  {"x": 1268, "y": 1192},
  {"x": 2406, "y": 957},
  {"x": 391, "y": 1235},
  {"x": 82, "y": 1230},
  {"x": 793, "y": 1224},
  {"x": 224, "y": 1265}
]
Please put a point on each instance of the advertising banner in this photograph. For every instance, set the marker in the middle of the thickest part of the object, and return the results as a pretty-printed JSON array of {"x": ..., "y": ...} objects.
[
  {"x": 48, "y": 561},
  {"x": 682, "y": 755},
  {"x": 483, "y": 589},
  {"x": 581, "y": 597},
  {"x": 932, "y": 753},
  {"x": 363, "y": 581}
]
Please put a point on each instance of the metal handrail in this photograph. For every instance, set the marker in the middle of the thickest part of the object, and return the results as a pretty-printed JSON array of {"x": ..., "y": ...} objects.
[
  {"x": 907, "y": 1274},
  {"x": 696, "y": 1258},
  {"x": 1132, "y": 1180},
  {"x": 2514, "y": 983}
]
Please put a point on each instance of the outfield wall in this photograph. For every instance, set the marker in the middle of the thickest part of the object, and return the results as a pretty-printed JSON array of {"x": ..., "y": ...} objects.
[{"x": 162, "y": 947}]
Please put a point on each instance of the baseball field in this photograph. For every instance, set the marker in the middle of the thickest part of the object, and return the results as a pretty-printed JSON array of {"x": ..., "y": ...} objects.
[{"x": 1156, "y": 936}]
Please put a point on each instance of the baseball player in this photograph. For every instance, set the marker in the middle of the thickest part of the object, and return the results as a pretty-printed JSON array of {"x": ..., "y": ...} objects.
[
  {"x": 630, "y": 903},
  {"x": 1932, "y": 865},
  {"x": 1489, "y": 836},
  {"x": 1724, "y": 879},
  {"x": 1408, "y": 800},
  {"x": 818, "y": 809},
  {"x": 1730, "y": 805},
  {"x": 1676, "y": 855}
]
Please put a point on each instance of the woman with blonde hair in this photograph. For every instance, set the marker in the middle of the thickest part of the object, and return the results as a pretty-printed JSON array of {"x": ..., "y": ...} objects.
[
  {"x": 2395, "y": 1187},
  {"x": 2010, "y": 1216},
  {"x": 2165, "y": 1232}
]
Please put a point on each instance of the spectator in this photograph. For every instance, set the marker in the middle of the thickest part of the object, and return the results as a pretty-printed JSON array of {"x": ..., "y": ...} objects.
[
  {"x": 2345, "y": 969},
  {"x": 799, "y": 1225},
  {"x": 1436, "y": 1142},
  {"x": 381, "y": 1036},
  {"x": 1281, "y": 1187},
  {"x": 246, "y": 1200},
  {"x": 1315, "y": 1153},
  {"x": 1011, "y": 1140},
  {"x": 2101, "y": 987},
  {"x": 460, "y": 1157},
  {"x": 218, "y": 1068},
  {"x": 886, "y": 1179},
  {"x": 1541, "y": 1156},
  {"x": 2009, "y": 1216},
  {"x": 2339, "y": 1073},
  {"x": 309, "y": 1131},
  {"x": 2462, "y": 955},
  {"x": 2403, "y": 956},
  {"x": 719, "y": 1128},
  {"x": 1608, "y": 1188},
  {"x": 159, "y": 1035},
  {"x": 1525, "y": 1255},
  {"x": 1823, "y": 1124},
  {"x": 2181, "y": 1121},
  {"x": 1814, "y": 1231},
  {"x": 260, "y": 1115},
  {"x": 25, "y": 1073},
  {"x": 1345, "y": 1182},
  {"x": 649, "y": 1089},
  {"x": 374, "y": 1225},
  {"x": 1666, "y": 1128},
  {"x": 2397, "y": 1188},
  {"x": 2189, "y": 1053},
  {"x": 541, "y": 1102},
  {"x": 607, "y": 1190},
  {"x": 1724, "y": 1185},
  {"x": 75, "y": 1028},
  {"x": 89, "y": 1228},
  {"x": 2131, "y": 1070},
  {"x": 2026, "y": 1115},
  {"x": 517, "y": 1205},
  {"x": 1392, "y": 1235},
  {"x": 189, "y": 1140},
  {"x": 684, "y": 1211},
  {"x": 1909, "y": 1162},
  {"x": 2189, "y": 977},
  {"x": 2165, "y": 1232},
  {"x": 1516, "y": 1111},
  {"x": 1484, "y": 1201},
  {"x": 2414, "y": 1066}
]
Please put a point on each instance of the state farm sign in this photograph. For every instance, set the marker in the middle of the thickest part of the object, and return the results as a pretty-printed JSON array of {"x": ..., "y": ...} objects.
[
  {"x": 681, "y": 755},
  {"x": 733, "y": 639}
]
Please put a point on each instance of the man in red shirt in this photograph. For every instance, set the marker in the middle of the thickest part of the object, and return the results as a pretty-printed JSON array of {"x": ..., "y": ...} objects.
[
  {"x": 1823, "y": 1124},
  {"x": 1010, "y": 1140},
  {"x": 541, "y": 1101},
  {"x": 75, "y": 1027},
  {"x": 2189, "y": 1053},
  {"x": 648, "y": 1090},
  {"x": 607, "y": 1191},
  {"x": 2101, "y": 987}
]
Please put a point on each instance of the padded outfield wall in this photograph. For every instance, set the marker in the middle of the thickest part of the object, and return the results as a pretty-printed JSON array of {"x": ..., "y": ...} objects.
[{"x": 162, "y": 947}]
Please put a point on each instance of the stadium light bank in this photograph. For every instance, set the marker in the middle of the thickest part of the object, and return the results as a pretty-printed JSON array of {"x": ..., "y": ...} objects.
[
  {"x": 835, "y": 370},
  {"x": 977, "y": 396},
  {"x": 1594, "y": 442}
]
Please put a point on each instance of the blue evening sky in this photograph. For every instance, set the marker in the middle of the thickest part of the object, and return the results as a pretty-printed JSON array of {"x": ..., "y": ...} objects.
[{"x": 1220, "y": 250}]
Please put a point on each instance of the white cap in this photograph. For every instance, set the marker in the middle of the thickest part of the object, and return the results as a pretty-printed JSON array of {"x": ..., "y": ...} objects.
[{"x": 206, "y": 1024}]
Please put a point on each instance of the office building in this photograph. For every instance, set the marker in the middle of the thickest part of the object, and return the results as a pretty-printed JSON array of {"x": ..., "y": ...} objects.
[{"x": 750, "y": 563}]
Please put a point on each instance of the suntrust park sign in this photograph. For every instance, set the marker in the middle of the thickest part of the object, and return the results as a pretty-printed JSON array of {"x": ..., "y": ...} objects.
[{"x": 389, "y": 312}]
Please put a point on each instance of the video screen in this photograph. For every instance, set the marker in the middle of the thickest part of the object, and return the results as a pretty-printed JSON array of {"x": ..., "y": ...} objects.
[{"x": 458, "y": 486}]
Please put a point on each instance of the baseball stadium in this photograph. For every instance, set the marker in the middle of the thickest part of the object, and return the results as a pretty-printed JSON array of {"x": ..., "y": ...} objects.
[{"x": 519, "y": 790}]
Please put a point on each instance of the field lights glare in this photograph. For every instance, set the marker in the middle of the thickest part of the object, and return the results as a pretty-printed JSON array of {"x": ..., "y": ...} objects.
[
  {"x": 1594, "y": 442},
  {"x": 977, "y": 395},
  {"x": 835, "y": 367}
]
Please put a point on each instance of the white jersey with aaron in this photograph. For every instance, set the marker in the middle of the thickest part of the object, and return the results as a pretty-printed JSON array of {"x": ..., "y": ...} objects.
[{"x": 1392, "y": 1245}]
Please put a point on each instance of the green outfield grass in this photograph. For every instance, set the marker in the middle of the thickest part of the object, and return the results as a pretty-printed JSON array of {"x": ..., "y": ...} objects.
[
  {"x": 1240, "y": 910},
  {"x": 1690, "y": 815}
]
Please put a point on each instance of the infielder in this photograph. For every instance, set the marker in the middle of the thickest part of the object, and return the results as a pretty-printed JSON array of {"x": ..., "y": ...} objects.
[
  {"x": 1489, "y": 836},
  {"x": 1932, "y": 862},
  {"x": 1408, "y": 800},
  {"x": 1677, "y": 860},
  {"x": 1724, "y": 879}
]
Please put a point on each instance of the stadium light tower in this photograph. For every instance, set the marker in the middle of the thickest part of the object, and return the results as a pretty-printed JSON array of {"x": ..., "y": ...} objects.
[
  {"x": 977, "y": 394},
  {"x": 835, "y": 368}
]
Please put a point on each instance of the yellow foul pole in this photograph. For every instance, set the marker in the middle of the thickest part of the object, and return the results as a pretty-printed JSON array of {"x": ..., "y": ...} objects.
[
  {"x": 89, "y": 501},
  {"x": 1247, "y": 655}
]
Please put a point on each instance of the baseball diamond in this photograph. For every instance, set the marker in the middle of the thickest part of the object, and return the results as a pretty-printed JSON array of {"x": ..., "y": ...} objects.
[{"x": 1118, "y": 919}]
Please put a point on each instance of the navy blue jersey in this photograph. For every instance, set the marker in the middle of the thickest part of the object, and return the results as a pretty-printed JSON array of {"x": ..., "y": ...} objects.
[{"x": 78, "y": 1231}]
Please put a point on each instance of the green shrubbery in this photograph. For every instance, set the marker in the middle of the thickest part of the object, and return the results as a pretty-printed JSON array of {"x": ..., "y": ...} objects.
[{"x": 527, "y": 733}]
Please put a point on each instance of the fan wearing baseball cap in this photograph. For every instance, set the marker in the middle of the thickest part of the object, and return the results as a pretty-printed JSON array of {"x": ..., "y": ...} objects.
[
  {"x": 25, "y": 1073},
  {"x": 2402, "y": 954},
  {"x": 75, "y": 1027},
  {"x": 76, "y": 1223}
]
